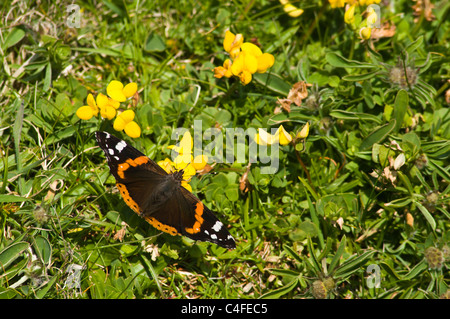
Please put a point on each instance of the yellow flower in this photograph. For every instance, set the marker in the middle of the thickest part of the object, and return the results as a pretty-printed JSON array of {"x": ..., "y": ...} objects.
[
  {"x": 185, "y": 145},
  {"x": 184, "y": 154},
  {"x": 349, "y": 16},
  {"x": 337, "y": 3},
  {"x": 284, "y": 137},
  {"x": 246, "y": 59},
  {"x": 249, "y": 61},
  {"x": 290, "y": 9},
  {"x": 184, "y": 160},
  {"x": 263, "y": 60},
  {"x": 124, "y": 121},
  {"x": 264, "y": 138},
  {"x": 368, "y": 2},
  {"x": 281, "y": 136},
  {"x": 108, "y": 107},
  {"x": 365, "y": 33},
  {"x": 223, "y": 71},
  {"x": 166, "y": 165},
  {"x": 171, "y": 167},
  {"x": 244, "y": 66},
  {"x": 118, "y": 92},
  {"x": 200, "y": 162},
  {"x": 232, "y": 43},
  {"x": 304, "y": 132},
  {"x": 372, "y": 17},
  {"x": 86, "y": 112}
]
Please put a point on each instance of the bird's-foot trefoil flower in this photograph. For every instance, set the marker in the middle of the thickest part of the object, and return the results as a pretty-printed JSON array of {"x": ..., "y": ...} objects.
[
  {"x": 246, "y": 59},
  {"x": 184, "y": 160},
  {"x": 108, "y": 107},
  {"x": 124, "y": 121},
  {"x": 88, "y": 111},
  {"x": 223, "y": 71},
  {"x": 290, "y": 9},
  {"x": 120, "y": 93},
  {"x": 232, "y": 43},
  {"x": 281, "y": 136}
]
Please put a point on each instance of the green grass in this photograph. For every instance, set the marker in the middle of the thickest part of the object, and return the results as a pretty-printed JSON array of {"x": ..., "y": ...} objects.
[{"x": 335, "y": 217}]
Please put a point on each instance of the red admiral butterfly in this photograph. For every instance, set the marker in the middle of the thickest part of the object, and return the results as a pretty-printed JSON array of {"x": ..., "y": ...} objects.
[{"x": 158, "y": 196}]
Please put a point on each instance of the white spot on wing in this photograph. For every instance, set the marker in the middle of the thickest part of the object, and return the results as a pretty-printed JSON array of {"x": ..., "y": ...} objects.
[
  {"x": 120, "y": 146},
  {"x": 217, "y": 226},
  {"x": 213, "y": 236}
]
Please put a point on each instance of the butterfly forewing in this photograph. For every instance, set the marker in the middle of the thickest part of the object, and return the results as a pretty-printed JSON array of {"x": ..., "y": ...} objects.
[{"x": 159, "y": 197}]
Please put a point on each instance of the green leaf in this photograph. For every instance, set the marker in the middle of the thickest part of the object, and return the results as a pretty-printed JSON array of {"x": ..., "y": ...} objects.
[
  {"x": 103, "y": 51},
  {"x": 232, "y": 193},
  {"x": 417, "y": 270},
  {"x": 414, "y": 45},
  {"x": 353, "y": 264},
  {"x": 48, "y": 77},
  {"x": 43, "y": 291},
  {"x": 355, "y": 116},
  {"x": 115, "y": 8},
  {"x": 273, "y": 82},
  {"x": 339, "y": 61},
  {"x": 11, "y": 253},
  {"x": 316, "y": 263},
  {"x": 426, "y": 214},
  {"x": 400, "y": 107},
  {"x": 17, "y": 128},
  {"x": 154, "y": 43},
  {"x": 15, "y": 36},
  {"x": 277, "y": 293},
  {"x": 44, "y": 248},
  {"x": 439, "y": 169},
  {"x": 390, "y": 270},
  {"x": 337, "y": 256},
  {"x": 292, "y": 253},
  {"x": 378, "y": 135},
  {"x": 285, "y": 36},
  {"x": 315, "y": 219},
  {"x": 361, "y": 77},
  {"x": 12, "y": 199},
  {"x": 400, "y": 202},
  {"x": 308, "y": 228}
]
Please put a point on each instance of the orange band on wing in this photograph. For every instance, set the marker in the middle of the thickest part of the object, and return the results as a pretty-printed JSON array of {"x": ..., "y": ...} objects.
[
  {"x": 199, "y": 219},
  {"x": 165, "y": 228},
  {"x": 127, "y": 198},
  {"x": 151, "y": 220},
  {"x": 121, "y": 168}
]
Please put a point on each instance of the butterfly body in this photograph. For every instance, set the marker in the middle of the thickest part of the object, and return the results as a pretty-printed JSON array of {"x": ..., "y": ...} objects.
[{"x": 158, "y": 197}]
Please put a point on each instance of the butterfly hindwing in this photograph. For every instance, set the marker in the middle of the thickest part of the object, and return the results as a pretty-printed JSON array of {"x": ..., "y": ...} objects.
[{"x": 159, "y": 197}]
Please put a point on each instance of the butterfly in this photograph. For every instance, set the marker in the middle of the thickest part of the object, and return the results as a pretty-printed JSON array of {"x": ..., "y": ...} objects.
[{"x": 158, "y": 196}]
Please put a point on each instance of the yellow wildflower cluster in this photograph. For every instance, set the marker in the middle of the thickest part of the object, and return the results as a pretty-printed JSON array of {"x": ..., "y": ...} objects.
[
  {"x": 290, "y": 9},
  {"x": 281, "y": 136},
  {"x": 246, "y": 59},
  {"x": 364, "y": 26},
  {"x": 184, "y": 160},
  {"x": 108, "y": 106},
  {"x": 342, "y": 3}
]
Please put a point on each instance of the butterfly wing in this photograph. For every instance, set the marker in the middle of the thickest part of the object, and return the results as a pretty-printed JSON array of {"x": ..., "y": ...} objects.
[
  {"x": 158, "y": 197},
  {"x": 205, "y": 226}
]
